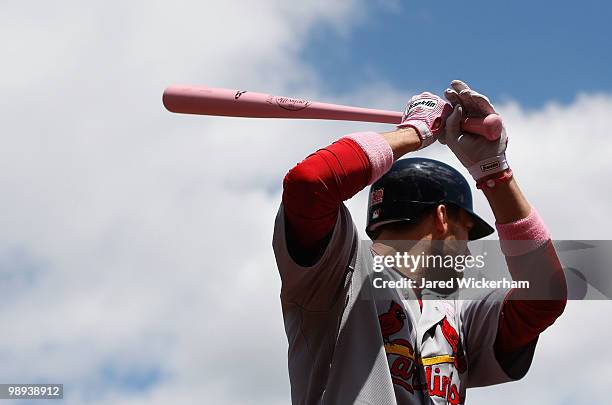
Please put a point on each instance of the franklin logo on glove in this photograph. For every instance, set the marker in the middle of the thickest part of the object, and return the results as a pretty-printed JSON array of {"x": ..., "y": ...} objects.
[
  {"x": 426, "y": 103},
  {"x": 489, "y": 166}
]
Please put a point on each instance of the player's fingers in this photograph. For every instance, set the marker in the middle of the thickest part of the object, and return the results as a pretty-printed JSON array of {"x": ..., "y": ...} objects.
[
  {"x": 468, "y": 103},
  {"x": 428, "y": 94},
  {"x": 453, "y": 126},
  {"x": 452, "y": 96},
  {"x": 459, "y": 86},
  {"x": 483, "y": 103},
  {"x": 453, "y": 122}
]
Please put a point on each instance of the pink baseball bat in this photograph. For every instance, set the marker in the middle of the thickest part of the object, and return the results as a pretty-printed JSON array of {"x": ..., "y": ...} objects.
[{"x": 238, "y": 103}]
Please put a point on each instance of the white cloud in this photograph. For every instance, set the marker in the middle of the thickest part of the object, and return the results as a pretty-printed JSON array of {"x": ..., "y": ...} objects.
[
  {"x": 567, "y": 367},
  {"x": 123, "y": 225}
]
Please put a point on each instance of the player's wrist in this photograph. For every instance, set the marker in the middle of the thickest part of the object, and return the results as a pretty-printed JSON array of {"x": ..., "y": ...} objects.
[
  {"x": 424, "y": 133},
  {"x": 495, "y": 180},
  {"x": 402, "y": 141}
]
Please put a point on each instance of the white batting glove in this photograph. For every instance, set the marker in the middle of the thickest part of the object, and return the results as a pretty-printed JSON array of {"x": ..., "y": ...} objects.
[
  {"x": 480, "y": 156},
  {"x": 426, "y": 113}
]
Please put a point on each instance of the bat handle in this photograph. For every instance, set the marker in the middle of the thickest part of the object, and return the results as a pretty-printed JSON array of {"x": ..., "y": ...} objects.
[{"x": 490, "y": 126}]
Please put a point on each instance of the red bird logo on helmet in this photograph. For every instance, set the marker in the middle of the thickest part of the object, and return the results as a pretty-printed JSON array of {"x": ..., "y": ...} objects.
[{"x": 391, "y": 321}]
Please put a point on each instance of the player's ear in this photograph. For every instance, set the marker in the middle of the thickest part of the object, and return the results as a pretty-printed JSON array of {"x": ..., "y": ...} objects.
[{"x": 440, "y": 219}]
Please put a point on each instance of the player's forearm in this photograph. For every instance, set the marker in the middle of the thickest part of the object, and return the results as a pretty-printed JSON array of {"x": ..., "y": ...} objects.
[
  {"x": 531, "y": 257},
  {"x": 526, "y": 243},
  {"x": 507, "y": 202},
  {"x": 402, "y": 141}
]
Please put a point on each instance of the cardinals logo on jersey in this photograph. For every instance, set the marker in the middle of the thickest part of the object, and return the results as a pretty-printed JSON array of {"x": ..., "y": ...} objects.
[
  {"x": 392, "y": 321},
  {"x": 400, "y": 352}
]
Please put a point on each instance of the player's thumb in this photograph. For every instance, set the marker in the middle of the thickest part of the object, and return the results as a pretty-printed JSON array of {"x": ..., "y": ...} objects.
[{"x": 453, "y": 126}]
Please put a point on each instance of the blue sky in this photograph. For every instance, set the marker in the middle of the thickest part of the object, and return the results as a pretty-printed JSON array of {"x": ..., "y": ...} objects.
[{"x": 528, "y": 51}]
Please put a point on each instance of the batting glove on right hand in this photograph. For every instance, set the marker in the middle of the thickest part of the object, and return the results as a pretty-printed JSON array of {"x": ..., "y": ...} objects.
[
  {"x": 479, "y": 155},
  {"x": 427, "y": 114}
]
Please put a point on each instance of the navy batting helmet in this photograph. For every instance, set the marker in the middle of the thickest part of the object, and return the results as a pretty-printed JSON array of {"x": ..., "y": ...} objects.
[{"x": 414, "y": 185}]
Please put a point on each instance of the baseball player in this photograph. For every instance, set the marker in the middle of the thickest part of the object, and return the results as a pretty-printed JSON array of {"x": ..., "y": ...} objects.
[{"x": 350, "y": 342}]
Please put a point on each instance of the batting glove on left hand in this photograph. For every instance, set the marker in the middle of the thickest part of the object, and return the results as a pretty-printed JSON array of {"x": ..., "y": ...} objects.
[{"x": 427, "y": 114}]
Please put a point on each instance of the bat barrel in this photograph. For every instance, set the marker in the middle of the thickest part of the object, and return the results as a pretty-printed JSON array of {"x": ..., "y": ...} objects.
[{"x": 205, "y": 101}]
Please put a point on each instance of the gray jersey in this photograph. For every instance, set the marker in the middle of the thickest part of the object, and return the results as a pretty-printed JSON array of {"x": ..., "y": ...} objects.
[{"x": 352, "y": 343}]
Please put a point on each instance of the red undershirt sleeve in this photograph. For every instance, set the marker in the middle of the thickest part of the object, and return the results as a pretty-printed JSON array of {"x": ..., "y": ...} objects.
[
  {"x": 522, "y": 320},
  {"x": 314, "y": 189}
]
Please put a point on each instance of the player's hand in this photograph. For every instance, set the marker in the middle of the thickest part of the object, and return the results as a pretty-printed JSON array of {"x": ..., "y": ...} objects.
[
  {"x": 479, "y": 155},
  {"x": 427, "y": 114}
]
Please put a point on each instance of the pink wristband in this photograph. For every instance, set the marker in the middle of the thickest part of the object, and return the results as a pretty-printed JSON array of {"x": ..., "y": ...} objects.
[
  {"x": 377, "y": 150},
  {"x": 522, "y": 236}
]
